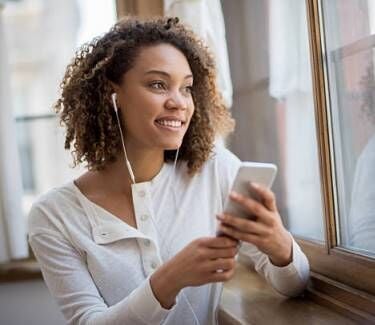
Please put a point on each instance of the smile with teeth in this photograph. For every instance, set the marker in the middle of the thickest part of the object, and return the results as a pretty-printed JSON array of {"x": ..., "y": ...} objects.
[{"x": 170, "y": 123}]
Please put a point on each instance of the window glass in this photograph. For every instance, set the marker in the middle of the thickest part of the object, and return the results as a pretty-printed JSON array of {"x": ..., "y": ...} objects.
[
  {"x": 273, "y": 103},
  {"x": 349, "y": 28},
  {"x": 41, "y": 37}
]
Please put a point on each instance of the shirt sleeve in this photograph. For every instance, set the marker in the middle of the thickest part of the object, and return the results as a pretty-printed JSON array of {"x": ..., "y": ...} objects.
[
  {"x": 290, "y": 280},
  {"x": 68, "y": 279}
]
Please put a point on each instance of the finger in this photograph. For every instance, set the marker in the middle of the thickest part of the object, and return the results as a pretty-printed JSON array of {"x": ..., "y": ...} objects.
[
  {"x": 244, "y": 225},
  {"x": 252, "y": 207},
  {"x": 266, "y": 195},
  {"x": 218, "y": 242},
  {"x": 234, "y": 233},
  {"x": 222, "y": 276},
  {"x": 215, "y": 253},
  {"x": 222, "y": 264}
]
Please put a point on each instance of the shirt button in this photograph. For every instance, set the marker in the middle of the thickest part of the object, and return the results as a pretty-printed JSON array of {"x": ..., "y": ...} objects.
[
  {"x": 141, "y": 193},
  {"x": 147, "y": 242},
  {"x": 144, "y": 217},
  {"x": 154, "y": 265}
]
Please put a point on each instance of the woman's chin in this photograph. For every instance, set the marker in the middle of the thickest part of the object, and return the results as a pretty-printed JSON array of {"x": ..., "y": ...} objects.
[
  {"x": 168, "y": 143},
  {"x": 175, "y": 147},
  {"x": 172, "y": 146}
]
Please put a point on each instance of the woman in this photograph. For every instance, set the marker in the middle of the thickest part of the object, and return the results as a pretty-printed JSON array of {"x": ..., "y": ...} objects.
[{"x": 132, "y": 241}]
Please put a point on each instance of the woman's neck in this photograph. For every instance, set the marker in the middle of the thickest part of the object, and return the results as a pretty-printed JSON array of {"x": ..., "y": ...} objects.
[{"x": 145, "y": 164}]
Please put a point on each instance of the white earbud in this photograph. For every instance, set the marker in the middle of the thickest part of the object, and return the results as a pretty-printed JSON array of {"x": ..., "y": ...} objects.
[{"x": 114, "y": 97}]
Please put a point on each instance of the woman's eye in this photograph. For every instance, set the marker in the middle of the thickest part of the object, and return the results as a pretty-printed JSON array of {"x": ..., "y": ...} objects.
[
  {"x": 189, "y": 89},
  {"x": 157, "y": 85}
]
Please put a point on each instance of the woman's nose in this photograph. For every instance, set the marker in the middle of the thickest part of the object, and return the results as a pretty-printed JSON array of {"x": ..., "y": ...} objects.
[{"x": 176, "y": 101}]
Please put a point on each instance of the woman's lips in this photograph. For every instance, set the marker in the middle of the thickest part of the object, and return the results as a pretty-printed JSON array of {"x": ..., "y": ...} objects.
[{"x": 171, "y": 125}]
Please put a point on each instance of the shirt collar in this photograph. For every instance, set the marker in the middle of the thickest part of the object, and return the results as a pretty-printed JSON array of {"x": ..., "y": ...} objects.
[{"x": 106, "y": 228}]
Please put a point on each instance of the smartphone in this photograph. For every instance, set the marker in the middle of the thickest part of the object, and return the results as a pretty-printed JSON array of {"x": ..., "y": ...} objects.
[{"x": 261, "y": 173}]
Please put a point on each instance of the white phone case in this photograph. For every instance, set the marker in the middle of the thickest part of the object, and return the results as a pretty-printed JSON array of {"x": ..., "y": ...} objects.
[{"x": 262, "y": 173}]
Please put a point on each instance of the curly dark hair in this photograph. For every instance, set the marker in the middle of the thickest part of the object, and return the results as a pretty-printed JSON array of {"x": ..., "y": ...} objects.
[{"x": 85, "y": 106}]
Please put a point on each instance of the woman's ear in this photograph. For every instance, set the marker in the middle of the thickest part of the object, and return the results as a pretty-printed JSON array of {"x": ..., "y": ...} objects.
[
  {"x": 115, "y": 86},
  {"x": 114, "y": 96}
]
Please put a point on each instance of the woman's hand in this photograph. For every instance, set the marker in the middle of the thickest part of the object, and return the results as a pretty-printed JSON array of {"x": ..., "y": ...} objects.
[
  {"x": 204, "y": 260},
  {"x": 265, "y": 229}
]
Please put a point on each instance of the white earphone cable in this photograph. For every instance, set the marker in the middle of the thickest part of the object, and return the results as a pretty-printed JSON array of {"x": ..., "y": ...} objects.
[{"x": 128, "y": 166}]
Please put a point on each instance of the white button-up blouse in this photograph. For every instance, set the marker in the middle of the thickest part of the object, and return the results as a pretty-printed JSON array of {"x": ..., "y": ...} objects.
[{"x": 98, "y": 267}]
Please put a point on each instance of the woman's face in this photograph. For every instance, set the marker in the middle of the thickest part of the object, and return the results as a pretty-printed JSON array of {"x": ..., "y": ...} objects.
[{"x": 155, "y": 98}]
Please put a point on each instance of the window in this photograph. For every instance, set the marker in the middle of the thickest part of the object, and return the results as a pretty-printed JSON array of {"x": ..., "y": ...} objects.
[
  {"x": 350, "y": 72},
  {"x": 41, "y": 37},
  {"x": 303, "y": 77}
]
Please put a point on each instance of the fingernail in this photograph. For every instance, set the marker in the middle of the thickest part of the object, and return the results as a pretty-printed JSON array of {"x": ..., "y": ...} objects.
[
  {"x": 219, "y": 216},
  {"x": 255, "y": 185},
  {"x": 234, "y": 195}
]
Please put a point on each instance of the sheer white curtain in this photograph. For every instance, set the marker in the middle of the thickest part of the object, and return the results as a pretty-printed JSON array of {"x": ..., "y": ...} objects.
[
  {"x": 290, "y": 82},
  {"x": 13, "y": 243},
  {"x": 206, "y": 18}
]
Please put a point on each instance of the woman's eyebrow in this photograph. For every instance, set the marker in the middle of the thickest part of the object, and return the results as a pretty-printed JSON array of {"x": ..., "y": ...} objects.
[{"x": 166, "y": 74}]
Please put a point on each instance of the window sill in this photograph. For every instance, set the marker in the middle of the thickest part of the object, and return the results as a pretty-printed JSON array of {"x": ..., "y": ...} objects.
[
  {"x": 20, "y": 271},
  {"x": 248, "y": 299}
]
